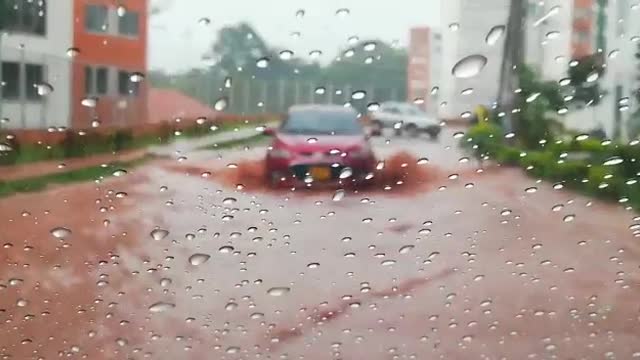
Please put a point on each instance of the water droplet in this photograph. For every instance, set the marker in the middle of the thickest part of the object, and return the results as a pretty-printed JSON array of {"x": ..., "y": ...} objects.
[
  {"x": 313, "y": 265},
  {"x": 388, "y": 262},
  {"x": 121, "y": 10},
  {"x": 454, "y": 27},
  {"x": 343, "y": 12},
  {"x": 159, "y": 234},
  {"x": 198, "y": 259},
  {"x": 161, "y": 307},
  {"x": 478, "y": 278},
  {"x": 229, "y": 201},
  {"x": 4, "y": 147},
  {"x": 533, "y": 97},
  {"x": 557, "y": 208},
  {"x": 531, "y": 190},
  {"x": 136, "y": 77},
  {"x": 469, "y": 66},
  {"x": 300, "y": 13},
  {"x": 73, "y": 52},
  {"x": 278, "y": 291},
  {"x": 423, "y": 161},
  {"x": 89, "y": 102},
  {"x": 563, "y": 110},
  {"x": 358, "y": 95},
  {"x": 44, "y": 89},
  {"x": 227, "y": 249},
  {"x": 569, "y": 218},
  {"x": 60, "y": 232},
  {"x": 349, "y": 53},
  {"x": 615, "y": 160},
  {"x": 22, "y": 303},
  {"x": 369, "y": 46},
  {"x": 406, "y": 249},
  {"x": 613, "y": 54},
  {"x": 434, "y": 90},
  {"x": 314, "y": 54},
  {"x": 286, "y": 55},
  {"x": 120, "y": 173},
  {"x": 346, "y": 173},
  {"x": 263, "y": 62},
  {"x": 338, "y": 195},
  {"x": 495, "y": 34},
  {"x": 165, "y": 282},
  {"x": 552, "y": 35},
  {"x": 593, "y": 76},
  {"x": 221, "y": 103},
  {"x": 204, "y": 21},
  {"x": 582, "y": 137}
]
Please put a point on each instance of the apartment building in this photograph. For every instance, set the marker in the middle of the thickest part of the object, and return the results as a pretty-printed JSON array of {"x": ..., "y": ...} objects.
[
  {"x": 465, "y": 26},
  {"x": 74, "y": 63},
  {"x": 425, "y": 56}
]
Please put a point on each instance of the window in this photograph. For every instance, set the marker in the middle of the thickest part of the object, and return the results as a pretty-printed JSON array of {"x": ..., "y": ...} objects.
[
  {"x": 34, "y": 76},
  {"x": 102, "y": 81},
  {"x": 88, "y": 80},
  {"x": 96, "y": 18},
  {"x": 125, "y": 85},
  {"x": 128, "y": 24},
  {"x": 26, "y": 16},
  {"x": 96, "y": 80},
  {"x": 11, "y": 80}
]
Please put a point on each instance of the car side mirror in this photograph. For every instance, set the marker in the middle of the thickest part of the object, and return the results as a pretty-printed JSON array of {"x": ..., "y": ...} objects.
[{"x": 269, "y": 131}]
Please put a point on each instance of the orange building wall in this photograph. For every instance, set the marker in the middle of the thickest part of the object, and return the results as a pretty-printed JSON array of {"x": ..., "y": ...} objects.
[
  {"x": 583, "y": 47},
  {"x": 419, "y": 65},
  {"x": 113, "y": 51}
]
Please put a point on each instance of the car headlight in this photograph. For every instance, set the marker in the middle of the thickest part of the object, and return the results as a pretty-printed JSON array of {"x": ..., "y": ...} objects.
[{"x": 279, "y": 154}]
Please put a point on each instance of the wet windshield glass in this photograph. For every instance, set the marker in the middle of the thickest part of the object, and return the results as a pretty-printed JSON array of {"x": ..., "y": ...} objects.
[{"x": 319, "y": 179}]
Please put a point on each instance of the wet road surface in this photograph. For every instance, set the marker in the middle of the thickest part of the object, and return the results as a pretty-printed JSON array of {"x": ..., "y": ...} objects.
[{"x": 171, "y": 262}]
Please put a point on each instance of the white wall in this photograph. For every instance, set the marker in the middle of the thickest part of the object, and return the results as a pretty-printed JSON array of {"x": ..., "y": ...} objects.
[
  {"x": 475, "y": 19},
  {"x": 50, "y": 51}
]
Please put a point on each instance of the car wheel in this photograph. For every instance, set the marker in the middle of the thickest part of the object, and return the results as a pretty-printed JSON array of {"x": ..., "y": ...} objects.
[{"x": 412, "y": 130}]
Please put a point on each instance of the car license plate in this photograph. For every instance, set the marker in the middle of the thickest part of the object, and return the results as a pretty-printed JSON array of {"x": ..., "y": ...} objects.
[{"x": 320, "y": 173}]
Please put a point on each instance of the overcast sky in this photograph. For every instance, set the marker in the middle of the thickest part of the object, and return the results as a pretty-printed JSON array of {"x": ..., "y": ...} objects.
[{"x": 177, "y": 41}]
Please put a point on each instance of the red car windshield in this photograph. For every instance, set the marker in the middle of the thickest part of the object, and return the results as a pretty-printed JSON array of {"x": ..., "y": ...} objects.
[{"x": 321, "y": 123}]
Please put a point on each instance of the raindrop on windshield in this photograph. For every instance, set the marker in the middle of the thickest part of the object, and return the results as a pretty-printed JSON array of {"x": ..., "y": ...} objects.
[
  {"x": 569, "y": 218},
  {"x": 346, "y": 173},
  {"x": 198, "y": 259},
  {"x": 44, "y": 89},
  {"x": 369, "y": 46},
  {"x": 121, "y": 10},
  {"x": 469, "y": 66},
  {"x": 73, "y": 52},
  {"x": 204, "y": 21},
  {"x": 278, "y": 291},
  {"x": 221, "y": 104},
  {"x": 300, "y": 13},
  {"x": 60, "y": 232},
  {"x": 159, "y": 234},
  {"x": 615, "y": 160},
  {"x": 286, "y": 55},
  {"x": 495, "y": 34},
  {"x": 161, "y": 307},
  {"x": 89, "y": 102},
  {"x": 262, "y": 63},
  {"x": 338, "y": 195},
  {"x": 358, "y": 95},
  {"x": 343, "y": 12},
  {"x": 136, "y": 77}
]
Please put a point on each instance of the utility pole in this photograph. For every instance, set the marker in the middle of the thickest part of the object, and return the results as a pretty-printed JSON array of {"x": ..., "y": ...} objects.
[{"x": 513, "y": 57}]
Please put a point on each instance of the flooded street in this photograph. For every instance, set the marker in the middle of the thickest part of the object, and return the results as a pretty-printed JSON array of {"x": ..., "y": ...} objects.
[{"x": 171, "y": 262}]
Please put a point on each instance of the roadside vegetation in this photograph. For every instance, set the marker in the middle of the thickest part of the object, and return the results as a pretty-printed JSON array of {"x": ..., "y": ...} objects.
[{"x": 589, "y": 163}]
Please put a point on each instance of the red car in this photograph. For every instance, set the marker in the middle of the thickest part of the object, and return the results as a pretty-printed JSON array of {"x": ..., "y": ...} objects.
[{"x": 319, "y": 144}]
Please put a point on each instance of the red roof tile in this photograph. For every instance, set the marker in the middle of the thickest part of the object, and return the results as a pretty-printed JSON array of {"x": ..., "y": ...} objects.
[{"x": 167, "y": 105}]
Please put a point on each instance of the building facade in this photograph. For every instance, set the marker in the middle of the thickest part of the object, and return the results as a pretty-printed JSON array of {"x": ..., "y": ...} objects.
[
  {"x": 73, "y": 63},
  {"x": 466, "y": 24},
  {"x": 425, "y": 57}
]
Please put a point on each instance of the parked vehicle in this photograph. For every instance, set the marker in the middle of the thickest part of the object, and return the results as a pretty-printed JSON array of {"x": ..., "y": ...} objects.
[
  {"x": 319, "y": 144},
  {"x": 404, "y": 118}
]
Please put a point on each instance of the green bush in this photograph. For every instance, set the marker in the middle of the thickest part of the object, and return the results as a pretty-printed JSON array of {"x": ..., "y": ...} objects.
[
  {"x": 508, "y": 155},
  {"x": 485, "y": 138}
]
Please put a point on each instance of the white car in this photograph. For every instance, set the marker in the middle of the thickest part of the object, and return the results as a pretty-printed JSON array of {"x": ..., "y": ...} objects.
[{"x": 403, "y": 117}]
